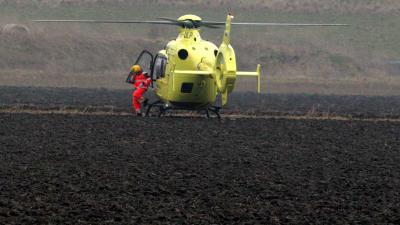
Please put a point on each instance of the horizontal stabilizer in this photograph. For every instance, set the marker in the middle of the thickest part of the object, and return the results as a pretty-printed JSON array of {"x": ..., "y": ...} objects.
[{"x": 257, "y": 74}]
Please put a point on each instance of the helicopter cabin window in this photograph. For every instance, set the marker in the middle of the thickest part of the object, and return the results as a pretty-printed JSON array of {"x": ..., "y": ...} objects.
[
  {"x": 159, "y": 67},
  {"x": 186, "y": 87}
]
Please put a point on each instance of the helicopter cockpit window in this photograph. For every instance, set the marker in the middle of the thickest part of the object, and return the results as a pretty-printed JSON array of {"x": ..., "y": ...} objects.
[
  {"x": 145, "y": 60},
  {"x": 159, "y": 67}
]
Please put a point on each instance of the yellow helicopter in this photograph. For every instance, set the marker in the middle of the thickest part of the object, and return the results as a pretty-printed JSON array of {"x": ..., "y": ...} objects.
[{"x": 191, "y": 72}]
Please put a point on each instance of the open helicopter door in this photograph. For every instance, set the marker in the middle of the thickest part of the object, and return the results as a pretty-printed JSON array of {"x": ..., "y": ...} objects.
[{"x": 145, "y": 60}]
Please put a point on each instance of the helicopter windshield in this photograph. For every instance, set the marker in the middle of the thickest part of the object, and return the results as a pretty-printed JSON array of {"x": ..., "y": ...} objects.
[{"x": 145, "y": 60}]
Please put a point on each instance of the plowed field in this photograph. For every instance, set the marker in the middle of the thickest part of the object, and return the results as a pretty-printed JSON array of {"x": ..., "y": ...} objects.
[{"x": 113, "y": 169}]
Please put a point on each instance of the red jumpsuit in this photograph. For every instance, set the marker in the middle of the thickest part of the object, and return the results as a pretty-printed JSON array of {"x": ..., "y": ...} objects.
[{"x": 141, "y": 83}]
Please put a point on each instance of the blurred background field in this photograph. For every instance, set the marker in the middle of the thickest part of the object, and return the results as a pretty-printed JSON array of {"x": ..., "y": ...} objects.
[{"x": 361, "y": 59}]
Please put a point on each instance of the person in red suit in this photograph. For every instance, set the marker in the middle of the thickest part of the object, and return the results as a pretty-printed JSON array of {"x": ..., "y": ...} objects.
[{"x": 141, "y": 82}]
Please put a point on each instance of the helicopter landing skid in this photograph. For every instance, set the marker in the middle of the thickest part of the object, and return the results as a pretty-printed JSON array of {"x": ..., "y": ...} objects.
[
  {"x": 159, "y": 104},
  {"x": 162, "y": 109},
  {"x": 215, "y": 110}
]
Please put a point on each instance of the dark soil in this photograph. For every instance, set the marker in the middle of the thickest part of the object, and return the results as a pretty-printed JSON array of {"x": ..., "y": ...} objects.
[
  {"x": 116, "y": 170},
  {"x": 87, "y": 169}
]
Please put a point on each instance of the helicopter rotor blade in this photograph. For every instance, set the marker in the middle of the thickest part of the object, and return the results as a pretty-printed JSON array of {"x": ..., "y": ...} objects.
[
  {"x": 168, "y": 21},
  {"x": 291, "y": 24},
  {"x": 210, "y": 26},
  {"x": 271, "y": 24},
  {"x": 176, "y": 22},
  {"x": 109, "y": 21}
]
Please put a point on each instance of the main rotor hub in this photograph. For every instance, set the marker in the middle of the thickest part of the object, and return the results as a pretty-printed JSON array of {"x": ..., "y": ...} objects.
[
  {"x": 190, "y": 21},
  {"x": 189, "y": 17}
]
